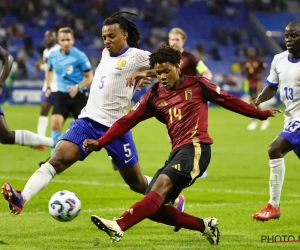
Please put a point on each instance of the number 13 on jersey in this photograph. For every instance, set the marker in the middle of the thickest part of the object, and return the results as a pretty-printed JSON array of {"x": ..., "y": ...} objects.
[{"x": 102, "y": 80}]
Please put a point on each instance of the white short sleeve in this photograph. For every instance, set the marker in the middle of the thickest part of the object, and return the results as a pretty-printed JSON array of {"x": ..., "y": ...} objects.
[{"x": 273, "y": 79}]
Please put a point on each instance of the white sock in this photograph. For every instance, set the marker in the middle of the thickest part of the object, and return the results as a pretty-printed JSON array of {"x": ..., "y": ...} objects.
[
  {"x": 42, "y": 125},
  {"x": 38, "y": 181},
  {"x": 27, "y": 138},
  {"x": 149, "y": 179},
  {"x": 277, "y": 171}
]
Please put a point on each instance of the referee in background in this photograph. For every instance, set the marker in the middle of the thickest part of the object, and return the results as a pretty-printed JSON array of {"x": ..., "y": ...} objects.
[{"x": 74, "y": 75}]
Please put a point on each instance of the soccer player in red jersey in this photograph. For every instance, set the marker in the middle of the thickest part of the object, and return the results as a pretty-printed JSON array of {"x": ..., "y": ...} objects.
[
  {"x": 190, "y": 65},
  {"x": 253, "y": 69},
  {"x": 180, "y": 102},
  {"x": 21, "y": 137}
]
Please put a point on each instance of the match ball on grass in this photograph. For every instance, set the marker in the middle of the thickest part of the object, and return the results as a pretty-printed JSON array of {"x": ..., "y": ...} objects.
[{"x": 64, "y": 206}]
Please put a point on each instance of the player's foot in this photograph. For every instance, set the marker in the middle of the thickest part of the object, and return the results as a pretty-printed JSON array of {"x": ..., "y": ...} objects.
[
  {"x": 114, "y": 166},
  {"x": 267, "y": 213},
  {"x": 203, "y": 176},
  {"x": 110, "y": 227},
  {"x": 252, "y": 125},
  {"x": 41, "y": 147},
  {"x": 179, "y": 204},
  {"x": 264, "y": 125},
  {"x": 13, "y": 197},
  {"x": 211, "y": 232},
  {"x": 43, "y": 162}
]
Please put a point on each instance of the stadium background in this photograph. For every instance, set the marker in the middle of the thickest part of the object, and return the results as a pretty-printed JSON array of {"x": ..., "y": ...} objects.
[
  {"x": 237, "y": 185},
  {"x": 218, "y": 32}
]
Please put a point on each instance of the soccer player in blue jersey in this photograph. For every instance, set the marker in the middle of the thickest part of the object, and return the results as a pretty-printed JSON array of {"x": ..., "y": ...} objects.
[
  {"x": 21, "y": 137},
  {"x": 74, "y": 73},
  {"x": 46, "y": 103}
]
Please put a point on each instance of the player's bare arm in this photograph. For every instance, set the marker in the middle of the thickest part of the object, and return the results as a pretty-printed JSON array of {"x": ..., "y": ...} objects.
[
  {"x": 49, "y": 77},
  {"x": 267, "y": 93},
  {"x": 87, "y": 81},
  {"x": 207, "y": 74},
  {"x": 6, "y": 66},
  {"x": 145, "y": 74}
]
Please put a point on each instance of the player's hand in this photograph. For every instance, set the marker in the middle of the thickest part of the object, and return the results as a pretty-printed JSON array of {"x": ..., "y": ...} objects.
[
  {"x": 274, "y": 111},
  {"x": 73, "y": 90},
  {"x": 134, "y": 76},
  {"x": 1, "y": 89},
  {"x": 48, "y": 93},
  {"x": 255, "y": 103},
  {"x": 141, "y": 83},
  {"x": 91, "y": 145},
  {"x": 38, "y": 65}
]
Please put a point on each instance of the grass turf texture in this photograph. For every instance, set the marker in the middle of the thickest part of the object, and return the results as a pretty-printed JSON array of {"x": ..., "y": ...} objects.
[{"x": 237, "y": 187}]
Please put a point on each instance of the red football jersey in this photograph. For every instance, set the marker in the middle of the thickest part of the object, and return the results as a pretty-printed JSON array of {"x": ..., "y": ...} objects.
[
  {"x": 188, "y": 64},
  {"x": 253, "y": 68},
  {"x": 183, "y": 110}
]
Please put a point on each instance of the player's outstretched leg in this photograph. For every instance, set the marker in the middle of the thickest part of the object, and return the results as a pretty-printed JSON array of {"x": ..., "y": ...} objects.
[
  {"x": 13, "y": 197},
  {"x": 110, "y": 227}
]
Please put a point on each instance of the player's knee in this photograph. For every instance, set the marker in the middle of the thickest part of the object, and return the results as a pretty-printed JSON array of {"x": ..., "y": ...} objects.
[
  {"x": 58, "y": 162},
  {"x": 274, "y": 151},
  {"x": 57, "y": 122},
  {"x": 138, "y": 186},
  {"x": 44, "y": 112},
  {"x": 7, "y": 137}
]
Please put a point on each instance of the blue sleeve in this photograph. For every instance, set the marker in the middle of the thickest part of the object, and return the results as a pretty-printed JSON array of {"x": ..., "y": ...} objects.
[
  {"x": 84, "y": 63},
  {"x": 0, "y": 47}
]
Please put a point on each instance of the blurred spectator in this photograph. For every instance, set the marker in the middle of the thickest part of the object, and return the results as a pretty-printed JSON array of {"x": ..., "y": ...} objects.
[
  {"x": 214, "y": 52},
  {"x": 3, "y": 34},
  {"x": 200, "y": 53},
  {"x": 16, "y": 29},
  {"x": 220, "y": 35},
  {"x": 253, "y": 69}
]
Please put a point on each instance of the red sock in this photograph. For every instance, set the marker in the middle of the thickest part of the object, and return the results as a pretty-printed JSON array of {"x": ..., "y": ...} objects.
[
  {"x": 145, "y": 208},
  {"x": 171, "y": 216}
]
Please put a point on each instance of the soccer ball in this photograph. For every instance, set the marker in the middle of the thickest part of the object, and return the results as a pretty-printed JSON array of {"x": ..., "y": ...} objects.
[{"x": 64, "y": 206}]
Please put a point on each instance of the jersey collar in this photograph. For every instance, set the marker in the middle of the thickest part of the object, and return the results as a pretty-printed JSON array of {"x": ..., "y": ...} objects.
[
  {"x": 293, "y": 61},
  {"x": 122, "y": 52}
]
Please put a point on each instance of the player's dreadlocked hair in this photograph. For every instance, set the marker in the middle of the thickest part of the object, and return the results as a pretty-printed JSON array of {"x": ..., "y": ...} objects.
[
  {"x": 165, "y": 53},
  {"x": 134, "y": 35}
]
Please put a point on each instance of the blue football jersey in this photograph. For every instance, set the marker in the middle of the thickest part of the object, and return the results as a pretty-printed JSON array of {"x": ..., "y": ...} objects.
[{"x": 68, "y": 67}]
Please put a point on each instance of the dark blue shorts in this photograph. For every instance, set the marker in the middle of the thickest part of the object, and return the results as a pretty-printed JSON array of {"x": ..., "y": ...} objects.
[
  {"x": 1, "y": 111},
  {"x": 50, "y": 99},
  {"x": 292, "y": 134},
  {"x": 122, "y": 150}
]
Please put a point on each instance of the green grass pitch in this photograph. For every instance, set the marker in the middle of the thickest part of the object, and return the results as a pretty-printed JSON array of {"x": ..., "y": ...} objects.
[{"x": 237, "y": 186}]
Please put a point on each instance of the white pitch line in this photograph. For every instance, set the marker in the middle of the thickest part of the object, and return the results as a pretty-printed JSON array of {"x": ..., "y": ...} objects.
[
  {"x": 223, "y": 204},
  {"x": 95, "y": 183}
]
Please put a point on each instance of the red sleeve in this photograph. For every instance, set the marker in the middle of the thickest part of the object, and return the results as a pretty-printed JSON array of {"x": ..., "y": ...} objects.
[
  {"x": 141, "y": 111},
  {"x": 214, "y": 93}
]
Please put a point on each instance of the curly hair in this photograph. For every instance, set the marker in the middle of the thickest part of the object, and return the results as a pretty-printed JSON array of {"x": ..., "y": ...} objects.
[
  {"x": 165, "y": 53},
  {"x": 134, "y": 35}
]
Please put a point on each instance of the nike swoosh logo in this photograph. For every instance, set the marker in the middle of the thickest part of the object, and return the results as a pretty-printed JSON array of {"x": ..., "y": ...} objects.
[{"x": 128, "y": 160}]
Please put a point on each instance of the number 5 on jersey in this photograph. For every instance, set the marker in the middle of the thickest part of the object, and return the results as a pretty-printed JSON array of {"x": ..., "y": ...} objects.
[
  {"x": 128, "y": 152},
  {"x": 101, "y": 85}
]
